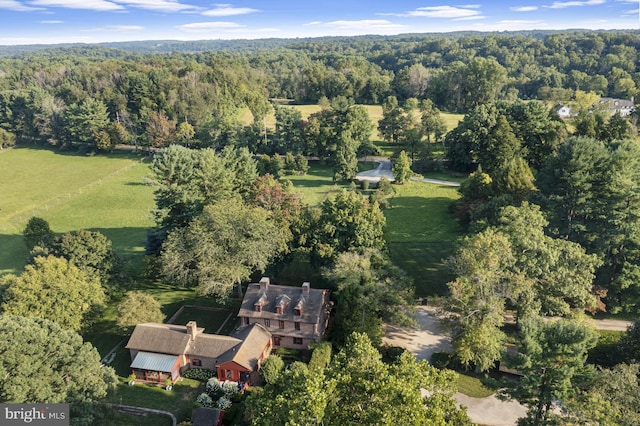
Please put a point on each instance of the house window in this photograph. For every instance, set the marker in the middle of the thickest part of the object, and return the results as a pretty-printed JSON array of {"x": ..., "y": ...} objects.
[
  {"x": 276, "y": 340},
  {"x": 297, "y": 311},
  {"x": 228, "y": 374},
  {"x": 267, "y": 323},
  {"x": 278, "y": 309},
  {"x": 281, "y": 324},
  {"x": 297, "y": 340},
  {"x": 196, "y": 362},
  {"x": 297, "y": 326},
  {"x": 257, "y": 308},
  {"x": 246, "y": 320}
]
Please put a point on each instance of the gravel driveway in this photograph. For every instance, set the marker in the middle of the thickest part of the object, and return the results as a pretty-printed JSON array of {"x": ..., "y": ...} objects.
[{"x": 430, "y": 338}]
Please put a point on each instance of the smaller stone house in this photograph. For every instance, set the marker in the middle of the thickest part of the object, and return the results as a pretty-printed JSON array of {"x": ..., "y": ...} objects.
[
  {"x": 295, "y": 316},
  {"x": 164, "y": 351}
]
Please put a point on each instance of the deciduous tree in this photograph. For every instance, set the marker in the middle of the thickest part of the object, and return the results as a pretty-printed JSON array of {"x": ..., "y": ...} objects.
[
  {"x": 221, "y": 247},
  {"x": 55, "y": 289},
  {"x": 369, "y": 289},
  {"x": 36, "y": 231},
  {"x": 347, "y": 222},
  {"x": 138, "y": 307},
  {"x": 44, "y": 363}
]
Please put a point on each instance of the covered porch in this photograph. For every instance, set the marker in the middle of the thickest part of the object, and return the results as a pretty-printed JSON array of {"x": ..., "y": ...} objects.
[{"x": 156, "y": 368}]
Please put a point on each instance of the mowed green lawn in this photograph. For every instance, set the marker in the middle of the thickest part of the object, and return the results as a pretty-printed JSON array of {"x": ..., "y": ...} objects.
[
  {"x": 422, "y": 233},
  {"x": 104, "y": 193}
]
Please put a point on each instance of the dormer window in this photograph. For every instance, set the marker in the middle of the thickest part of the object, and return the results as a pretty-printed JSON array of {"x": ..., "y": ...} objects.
[
  {"x": 282, "y": 302},
  {"x": 297, "y": 311},
  {"x": 262, "y": 300}
]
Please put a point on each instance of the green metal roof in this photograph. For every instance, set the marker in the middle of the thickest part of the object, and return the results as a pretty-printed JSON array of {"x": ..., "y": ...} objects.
[{"x": 154, "y": 362}]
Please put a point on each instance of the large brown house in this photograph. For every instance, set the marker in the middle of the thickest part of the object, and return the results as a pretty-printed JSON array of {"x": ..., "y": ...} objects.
[
  {"x": 164, "y": 351},
  {"x": 295, "y": 316}
]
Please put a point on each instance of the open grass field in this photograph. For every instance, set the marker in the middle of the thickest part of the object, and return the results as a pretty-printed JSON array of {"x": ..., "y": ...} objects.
[
  {"x": 102, "y": 193},
  {"x": 422, "y": 233}
]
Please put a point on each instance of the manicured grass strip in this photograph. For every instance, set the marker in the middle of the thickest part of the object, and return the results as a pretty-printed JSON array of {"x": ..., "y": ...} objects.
[
  {"x": 420, "y": 213},
  {"x": 424, "y": 263},
  {"x": 472, "y": 386},
  {"x": 178, "y": 401}
]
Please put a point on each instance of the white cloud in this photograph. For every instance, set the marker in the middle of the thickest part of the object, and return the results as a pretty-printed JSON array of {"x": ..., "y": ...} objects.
[
  {"x": 209, "y": 26},
  {"x": 523, "y": 8},
  {"x": 365, "y": 24},
  {"x": 632, "y": 12},
  {"x": 52, "y": 22},
  {"x": 120, "y": 28},
  {"x": 113, "y": 5},
  {"x": 443, "y": 12},
  {"x": 97, "y": 5},
  {"x": 114, "y": 29},
  {"x": 158, "y": 5},
  {"x": 228, "y": 10},
  {"x": 313, "y": 23},
  {"x": 16, "y": 6},
  {"x": 564, "y": 4}
]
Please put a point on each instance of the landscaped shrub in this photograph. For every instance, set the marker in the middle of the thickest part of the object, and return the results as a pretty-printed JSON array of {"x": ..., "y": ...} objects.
[
  {"x": 200, "y": 374},
  {"x": 271, "y": 368},
  {"x": 440, "y": 359},
  {"x": 321, "y": 355},
  {"x": 289, "y": 355},
  {"x": 230, "y": 389},
  {"x": 204, "y": 400},
  {"x": 223, "y": 403},
  {"x": 213, "y": 385}
]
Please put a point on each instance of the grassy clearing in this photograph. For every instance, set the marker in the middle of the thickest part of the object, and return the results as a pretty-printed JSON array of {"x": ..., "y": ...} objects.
[
  {"x": 422, "y": 233},
  {"x": 316, "y": 184},
  {"x": 100, "y": 193},
  {"x": 472, "y": 386},
  {"x": 179, "y": 401}
]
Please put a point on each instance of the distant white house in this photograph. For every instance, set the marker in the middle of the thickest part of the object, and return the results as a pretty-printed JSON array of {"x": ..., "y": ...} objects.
[
  {"x": 624, "y": 107},
  {"x": 564, "y": 111}
]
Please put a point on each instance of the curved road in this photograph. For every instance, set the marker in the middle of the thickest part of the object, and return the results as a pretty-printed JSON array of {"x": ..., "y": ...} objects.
[
  {"x": 431, "y": 337},
  {"x": 384, "y": 169}
]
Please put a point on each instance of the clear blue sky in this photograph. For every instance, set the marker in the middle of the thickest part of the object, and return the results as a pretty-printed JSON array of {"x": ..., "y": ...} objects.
[{"x": 58, "y": 21}]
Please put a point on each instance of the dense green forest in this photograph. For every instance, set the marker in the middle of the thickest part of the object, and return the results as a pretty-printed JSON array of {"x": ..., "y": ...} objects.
[{"x": 44, "y": 94}]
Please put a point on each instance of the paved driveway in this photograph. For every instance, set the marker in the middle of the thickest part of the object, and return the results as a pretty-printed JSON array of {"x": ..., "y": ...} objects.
[{"x": 430, "y": 338}]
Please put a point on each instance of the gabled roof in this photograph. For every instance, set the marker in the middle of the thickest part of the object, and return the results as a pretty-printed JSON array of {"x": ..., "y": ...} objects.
[
  {"x": 168, "y": 340},
  {"x": 252, "y": 336},
  {"x": 160, "y": 338}
]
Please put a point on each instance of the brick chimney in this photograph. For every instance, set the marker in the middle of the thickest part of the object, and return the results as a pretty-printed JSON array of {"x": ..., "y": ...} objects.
[
  {"x": 192, "y": 330},
  {"x": 264, "y": 284}
]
